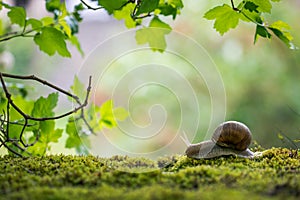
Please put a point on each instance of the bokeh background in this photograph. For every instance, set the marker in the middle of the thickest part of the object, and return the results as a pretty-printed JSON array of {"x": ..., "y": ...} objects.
[{"x": 261, "y": 81}]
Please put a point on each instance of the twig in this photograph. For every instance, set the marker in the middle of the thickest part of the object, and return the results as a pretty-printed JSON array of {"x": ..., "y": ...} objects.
[
  {"x": 27, "y": 117},
  {"x": 90, "y": 7},
  {"x": 12, "y": 35},
  {"x": 233, "y": 7},
  {"x": 249, "y": 18},
  {"x": 143, "y": 16},
  {"x": 10, "y": 149}
]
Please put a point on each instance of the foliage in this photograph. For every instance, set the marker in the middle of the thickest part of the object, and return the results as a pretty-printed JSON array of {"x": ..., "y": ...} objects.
[
  {"x": 227, "y": 17},
  {"x": 273, "y": 176},
  {"x": 28, "y": 127},
  {"x": 64, "y": 25},
  {"x": 51, "y": 35}
]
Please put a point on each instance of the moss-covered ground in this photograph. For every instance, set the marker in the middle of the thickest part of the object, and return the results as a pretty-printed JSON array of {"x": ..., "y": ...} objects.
[{"x": 275, "y": 175}]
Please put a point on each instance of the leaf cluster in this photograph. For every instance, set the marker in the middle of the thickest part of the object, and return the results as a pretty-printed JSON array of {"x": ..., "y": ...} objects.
[
  {"x": 28, "y": 126},
  {"x": 98, "y": 117},
  {"x": 228, "y": 16},
  {"x": 133, "y": 13},
  {"x": 52, "y": 33},
  {"x": 49, "y": 33}
]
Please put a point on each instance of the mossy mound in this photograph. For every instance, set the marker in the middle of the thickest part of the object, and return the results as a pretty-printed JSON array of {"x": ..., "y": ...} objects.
[{"x": 274, "y": 175}]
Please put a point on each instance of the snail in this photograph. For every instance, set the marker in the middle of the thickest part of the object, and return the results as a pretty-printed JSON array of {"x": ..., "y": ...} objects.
[{"x": 229, "y": 138}]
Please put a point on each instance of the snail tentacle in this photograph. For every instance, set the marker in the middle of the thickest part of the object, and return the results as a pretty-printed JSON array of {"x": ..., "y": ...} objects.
[{"x": 185, "y": 139}]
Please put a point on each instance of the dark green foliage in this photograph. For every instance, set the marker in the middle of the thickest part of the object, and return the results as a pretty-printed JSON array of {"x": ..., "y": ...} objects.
[
  {"x": 64, "y": 24},
  {"x": 227, "y": 17},
  {"x": 275, "y": 175},
  {"x": 147, "y": 6},
  {"x": 110, "y": 6}
]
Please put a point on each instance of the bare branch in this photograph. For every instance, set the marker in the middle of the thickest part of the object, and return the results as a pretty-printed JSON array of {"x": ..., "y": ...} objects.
[
  {"x": 26, "y": 117},
  {"x": 90, "y": 7}
]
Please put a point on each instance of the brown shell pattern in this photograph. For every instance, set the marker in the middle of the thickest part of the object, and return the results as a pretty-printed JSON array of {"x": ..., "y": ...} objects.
[{"x": 232, "y": 134}]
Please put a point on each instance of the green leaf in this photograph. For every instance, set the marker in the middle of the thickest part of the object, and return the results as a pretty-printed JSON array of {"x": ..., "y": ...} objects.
[
  {"x": 65, "y": 27},
  {"x": 154, "y": 35},
  {"x": 55, "y": 135},
  {"x": 72, "y": 130},
  {"x": 125, "y": 14},
  {"x": 120, "y": 113},
  {"x": 261, "y": 31},
  {"x": 147, "y": 6},
  {"x": 251, "y": 6},
  {"x": 110, "y": 115},
  {"x": 283, "y": 27},
  {"x": 110, "y": 5},
  {"x": 176, "y": 3},
  {"x": 106, "y": 113},
  {"x": 39, "y": 148},
  {"x": 51, "y": 40},
  {"x": 52, "y": 5},
  {"x": 76, "y": 138},
  {"x": 1, "y": 27},
  {"x": 92, "y": 112},
  {"x": 43, "y": 107},
  {"x": 76, "y": 13},
  {"x": 66, "y": 22},
  {"x": 73, "y": 24},
  {"x": 47, "y": 134},
  {"x": 17, "y": 15},
  {"x": 78, "y": 88},
  {"x": 171, "y": 7},
  {"x": 35, "y": 24},
  {"x": 225, "y": 18},
  {"x": 47, "y": 21},
  {"x": 26, "y": 106},
  {"x": 263, "y": 5},
  {"x": 74, "y": 40},
  {"x": 284, "y": 36}
]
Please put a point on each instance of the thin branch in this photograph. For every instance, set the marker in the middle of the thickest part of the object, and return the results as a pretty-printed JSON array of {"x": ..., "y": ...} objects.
[
  {"x": 8, "y": 34},
  {"x": 27, "y": 117},
  {"x": 15, "y": 34},
  {"x": 10, "y": 149},
  {"x": 143, "y": 16},
  {"x": 17, "y": 123},
  {"x": 233, "y": 7},
  {"x": 32, "y": 77},
  {"x": 90, "y": 7}
]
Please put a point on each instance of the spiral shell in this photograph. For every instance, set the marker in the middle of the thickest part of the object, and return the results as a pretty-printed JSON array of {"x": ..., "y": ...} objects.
[
  {"x": 229, "y": 138},
  {"x": 232, "y": 134}
]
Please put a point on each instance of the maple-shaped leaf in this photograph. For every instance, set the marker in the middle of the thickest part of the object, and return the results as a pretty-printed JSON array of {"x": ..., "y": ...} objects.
[
  {"x": 225, "y": 18},
  {"x": 51, "y": 40}
]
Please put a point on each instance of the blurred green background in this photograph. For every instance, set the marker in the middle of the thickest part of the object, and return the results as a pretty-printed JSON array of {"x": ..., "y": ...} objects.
[{"x": 261, "y": 81}]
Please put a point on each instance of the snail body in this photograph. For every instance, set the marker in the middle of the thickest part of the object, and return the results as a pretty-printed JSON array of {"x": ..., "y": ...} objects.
[{"x": 229, "y": 138}]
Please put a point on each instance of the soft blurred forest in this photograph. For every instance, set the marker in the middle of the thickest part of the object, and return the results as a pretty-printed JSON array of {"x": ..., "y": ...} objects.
[{"x": 261, "y": 81}]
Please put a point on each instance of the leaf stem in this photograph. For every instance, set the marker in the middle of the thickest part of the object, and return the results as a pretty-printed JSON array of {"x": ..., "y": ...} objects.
[
  {"x": 90, "y": 7},
  {"x": 233, "y": 7}
]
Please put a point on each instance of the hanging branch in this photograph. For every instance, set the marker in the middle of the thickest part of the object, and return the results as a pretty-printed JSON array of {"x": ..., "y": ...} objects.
[
  {"x": 10, "y": 103},
  {"x": 90, "y": 7}
]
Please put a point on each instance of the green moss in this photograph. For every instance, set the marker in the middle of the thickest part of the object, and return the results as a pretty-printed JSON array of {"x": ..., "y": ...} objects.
[{"x": 274, "y": 175}]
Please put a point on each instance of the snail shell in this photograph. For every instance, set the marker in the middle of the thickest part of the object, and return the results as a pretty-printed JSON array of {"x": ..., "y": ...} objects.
[{"x": 229, "y": 138}]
